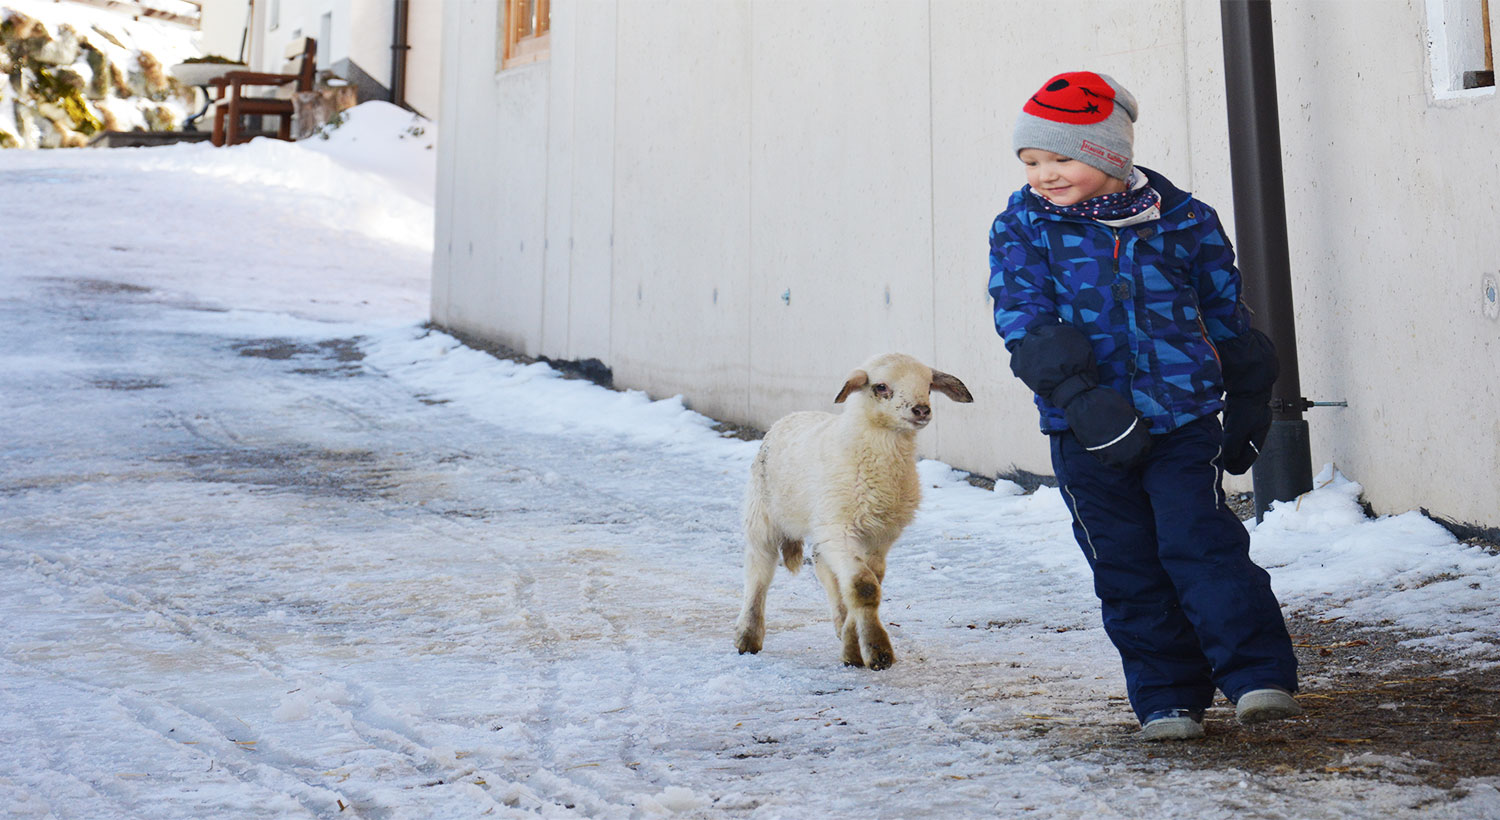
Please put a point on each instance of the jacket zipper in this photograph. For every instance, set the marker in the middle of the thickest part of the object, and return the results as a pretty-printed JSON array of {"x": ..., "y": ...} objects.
[{"x": 1128, "y": 295}]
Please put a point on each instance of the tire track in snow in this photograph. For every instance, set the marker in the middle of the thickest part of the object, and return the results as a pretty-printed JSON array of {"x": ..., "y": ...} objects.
[
  {"x": 206, "y": 738},
  {"x": 246, "y": 758},
  {"x": 220, "y": 433},
  {"x": 541, "y": 641},
  {"x": 551, "y": 782}
]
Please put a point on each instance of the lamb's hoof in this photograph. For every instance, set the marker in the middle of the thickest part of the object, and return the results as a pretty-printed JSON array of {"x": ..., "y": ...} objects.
[
  {"x": 878, "y": 652},
  {"x": 747, "y": 645},
  {"x": 851, "y": 656}
]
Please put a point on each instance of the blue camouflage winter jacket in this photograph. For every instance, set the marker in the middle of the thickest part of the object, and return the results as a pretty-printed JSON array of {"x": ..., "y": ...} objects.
[{"x": 1154, "y": 299}]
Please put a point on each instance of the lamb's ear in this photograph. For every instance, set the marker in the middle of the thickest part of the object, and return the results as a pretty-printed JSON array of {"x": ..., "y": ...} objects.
[
  {"x": 950, "y": 386},
  {"x": 857, "y": 379}
]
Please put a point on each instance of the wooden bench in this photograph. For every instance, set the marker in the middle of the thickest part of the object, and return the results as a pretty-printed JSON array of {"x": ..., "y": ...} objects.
[{"x": 235, "y": 102}]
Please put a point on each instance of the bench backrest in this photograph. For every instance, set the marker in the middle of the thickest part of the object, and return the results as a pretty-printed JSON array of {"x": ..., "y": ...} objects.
[{"x": 302, "y": 60}]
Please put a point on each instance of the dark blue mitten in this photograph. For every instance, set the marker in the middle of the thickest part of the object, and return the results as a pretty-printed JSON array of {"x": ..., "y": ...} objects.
[
  {"x": 1057, "y": 362},
  {"x": 1250, "y": 370},
  {"x": 1109, "y": 427}
]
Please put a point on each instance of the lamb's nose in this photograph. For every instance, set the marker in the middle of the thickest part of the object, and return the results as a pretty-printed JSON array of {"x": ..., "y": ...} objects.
[{"x": 921, "y": 412}]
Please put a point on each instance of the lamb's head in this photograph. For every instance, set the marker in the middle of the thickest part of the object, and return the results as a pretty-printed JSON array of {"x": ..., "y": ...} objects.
[{"x": 892, "y": 392}]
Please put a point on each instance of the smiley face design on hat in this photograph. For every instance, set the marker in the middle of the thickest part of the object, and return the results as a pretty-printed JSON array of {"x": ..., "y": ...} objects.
[{"x": 1078, "y": 98}]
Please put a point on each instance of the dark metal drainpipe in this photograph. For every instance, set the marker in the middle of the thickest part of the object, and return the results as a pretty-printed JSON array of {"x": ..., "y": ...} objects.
[
  {"x": 245, "y": 34},
  {"x": 398, "y": 53},
  {"x": 1284, "y": 469}
]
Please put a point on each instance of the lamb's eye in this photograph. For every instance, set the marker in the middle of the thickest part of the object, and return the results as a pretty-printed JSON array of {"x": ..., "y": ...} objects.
[{"x": 882, "y": 391}]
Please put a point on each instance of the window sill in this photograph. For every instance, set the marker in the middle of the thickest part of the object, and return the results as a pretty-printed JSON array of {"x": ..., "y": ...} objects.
[{"x": 529, "y": 50}]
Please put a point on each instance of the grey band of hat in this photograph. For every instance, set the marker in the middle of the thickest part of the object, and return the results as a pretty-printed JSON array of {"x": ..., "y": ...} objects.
[{"x": 1108, "y": 145}]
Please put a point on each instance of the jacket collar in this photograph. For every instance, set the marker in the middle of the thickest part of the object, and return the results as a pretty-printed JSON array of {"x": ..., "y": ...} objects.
[
  {"x": 1172, "y": 197},
  {"x": 1172, "y": 201}
]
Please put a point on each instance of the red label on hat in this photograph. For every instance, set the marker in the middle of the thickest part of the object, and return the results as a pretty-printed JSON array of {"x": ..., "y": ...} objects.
[
  {"x": 1076, "y": 98},
  {"x": 1111, "y": 157}
]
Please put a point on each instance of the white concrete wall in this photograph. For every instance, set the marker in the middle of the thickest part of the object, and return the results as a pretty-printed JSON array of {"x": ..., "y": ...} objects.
[
  {"x": 279, "y": 22},
  {"x": 1391, "y": 197},
  {"x": 492, "y": 171},
  {"x": 649, "y": 194},
  {"x": 370, "y": 34},
  {"x": 222, "y": 27},
  {"x": 361, "y": 31},
  {"x": 424, "y": 33}
]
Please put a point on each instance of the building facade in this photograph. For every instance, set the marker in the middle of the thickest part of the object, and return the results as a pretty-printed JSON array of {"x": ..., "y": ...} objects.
[
  {"x": 740, "y": 201},
  {"x": 358, "y": 40}
]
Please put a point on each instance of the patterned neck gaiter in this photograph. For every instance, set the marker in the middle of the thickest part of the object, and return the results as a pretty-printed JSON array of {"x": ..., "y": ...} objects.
[{"x": 1137, "y": 200}]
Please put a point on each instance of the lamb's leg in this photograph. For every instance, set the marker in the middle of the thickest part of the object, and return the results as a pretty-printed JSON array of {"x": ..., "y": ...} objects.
[
  {"x": 865, "y": 642},
  {"x": 762, "y": 549},
  {"x": 836, "y": 608},
  {"x": 851, "y": 654},
  {"x": 878, "y": 643},
  {"x": 864, "y": 611},
  {"x": 750, "y": 630}
]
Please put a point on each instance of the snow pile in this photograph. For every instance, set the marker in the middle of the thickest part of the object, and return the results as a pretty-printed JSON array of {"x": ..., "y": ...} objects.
[
  {"x": 371, "y": 243},
  {"x": 371, "y": 176},
  {"x": 384, "y": 139},
  {"x": 1324, "y": 554},
  {"x": 536, "y": 398}
]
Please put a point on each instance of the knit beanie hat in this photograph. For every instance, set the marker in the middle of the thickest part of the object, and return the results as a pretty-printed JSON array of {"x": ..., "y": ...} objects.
[{"x": 1082, "y": 115}]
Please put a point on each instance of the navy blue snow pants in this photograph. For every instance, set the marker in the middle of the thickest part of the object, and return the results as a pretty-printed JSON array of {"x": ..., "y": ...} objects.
[{"x": 1182, "y": 601}]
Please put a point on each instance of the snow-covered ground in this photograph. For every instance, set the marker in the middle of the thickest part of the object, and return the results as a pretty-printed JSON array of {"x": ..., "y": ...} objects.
[{"x": 268, "y": 548}]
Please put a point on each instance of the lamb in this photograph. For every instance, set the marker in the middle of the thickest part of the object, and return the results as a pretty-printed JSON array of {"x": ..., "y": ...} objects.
[{"x": 846, "y": 485}]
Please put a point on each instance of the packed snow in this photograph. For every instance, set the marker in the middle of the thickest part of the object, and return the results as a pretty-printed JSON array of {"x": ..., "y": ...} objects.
[{"x": 269, "y": 547}]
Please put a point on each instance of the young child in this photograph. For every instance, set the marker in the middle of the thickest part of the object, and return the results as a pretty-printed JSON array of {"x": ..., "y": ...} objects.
[{"x": 1118, "y": 299}]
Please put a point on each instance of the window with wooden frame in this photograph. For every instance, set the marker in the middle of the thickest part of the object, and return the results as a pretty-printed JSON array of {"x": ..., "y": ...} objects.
[
  {"x": 1486, "y": 76},
  {"x": 1459, "y": 40},
  {"x": 524, "y": 27}
]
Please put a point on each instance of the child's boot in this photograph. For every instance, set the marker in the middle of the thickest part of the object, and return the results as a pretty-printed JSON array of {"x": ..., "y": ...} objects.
[
  {"x": 1260, "y": 705},
  {"x": 1173, "y": 724}
]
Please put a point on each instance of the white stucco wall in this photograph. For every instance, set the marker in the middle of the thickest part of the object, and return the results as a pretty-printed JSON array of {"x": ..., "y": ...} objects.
[
  {"x": 650, "y": 193},
  {"x": 1391, "y": 195},
  {"x": 223, "y": 26},
  {"x": 424, "y": 33},
  {"x": 490, "y": 175},
  {"x": 361, "y": 31}
]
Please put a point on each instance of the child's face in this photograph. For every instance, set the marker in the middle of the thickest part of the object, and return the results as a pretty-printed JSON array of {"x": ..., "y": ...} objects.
[{"x": 1064, "y": 180}]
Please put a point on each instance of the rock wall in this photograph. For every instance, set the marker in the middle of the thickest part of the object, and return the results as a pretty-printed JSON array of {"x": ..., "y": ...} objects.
[{"x": 59, "y": 86}]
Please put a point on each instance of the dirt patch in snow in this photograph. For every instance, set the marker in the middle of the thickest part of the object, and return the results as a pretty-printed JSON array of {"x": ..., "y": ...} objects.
[
  {"x": 1376, "y": 709},
  {"x": 329, "y": 357}
]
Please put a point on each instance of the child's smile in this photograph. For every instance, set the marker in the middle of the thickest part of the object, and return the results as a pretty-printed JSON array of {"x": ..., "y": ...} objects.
[{"x": 1064, "y": 180}]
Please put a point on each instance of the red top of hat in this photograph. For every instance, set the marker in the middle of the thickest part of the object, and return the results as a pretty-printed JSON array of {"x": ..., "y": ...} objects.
[{"x": 1076, "y": 98}]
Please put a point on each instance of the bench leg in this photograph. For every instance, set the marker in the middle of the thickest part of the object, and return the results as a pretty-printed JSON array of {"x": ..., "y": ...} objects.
[
  {"x": 218, "y": 137},
  {"x": 232, "y": 133}
]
